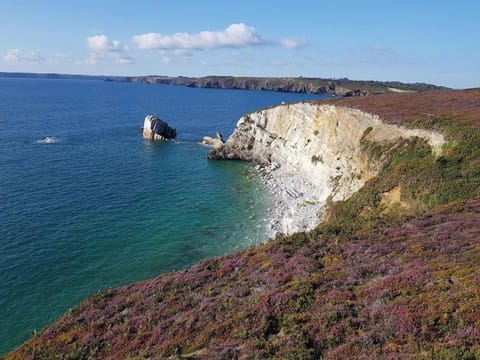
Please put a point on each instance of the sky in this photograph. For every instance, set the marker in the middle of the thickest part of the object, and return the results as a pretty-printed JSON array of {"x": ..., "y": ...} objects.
[{"x": 432, "y": 41}]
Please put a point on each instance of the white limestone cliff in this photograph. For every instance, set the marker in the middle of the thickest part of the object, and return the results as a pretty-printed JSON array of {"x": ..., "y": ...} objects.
[{"x": 319, "y": 146}]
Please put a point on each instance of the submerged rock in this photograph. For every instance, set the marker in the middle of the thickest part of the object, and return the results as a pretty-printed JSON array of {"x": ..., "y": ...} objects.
[
  {"x": 155, "y": 128},
  {"x": 47, "y": 140}
]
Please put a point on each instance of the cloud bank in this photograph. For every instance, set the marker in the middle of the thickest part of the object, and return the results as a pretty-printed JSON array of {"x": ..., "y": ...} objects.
[
  {"x": 234, "y": 36},
  {"x": 173, "y": 48}
]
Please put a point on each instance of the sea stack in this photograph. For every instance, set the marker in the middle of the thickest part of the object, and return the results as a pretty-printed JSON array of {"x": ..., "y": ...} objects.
[{"x": 155, "y": 128}]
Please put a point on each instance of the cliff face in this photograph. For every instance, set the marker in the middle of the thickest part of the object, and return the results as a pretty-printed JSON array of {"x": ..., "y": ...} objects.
[
  {"x": 295, "y": 85},
  {"x": 321, "y": 143}
]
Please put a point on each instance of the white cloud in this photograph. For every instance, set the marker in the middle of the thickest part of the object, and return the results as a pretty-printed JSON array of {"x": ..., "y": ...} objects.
[
  {"x": 12, "y": 55},
  {"x": 292, "y": 43},
  {"x": 101, "y": 43},
  {"x": 104, "y": 51},
  {"x": 17, "y": 56},
  {"x": 234, "y": 36}
]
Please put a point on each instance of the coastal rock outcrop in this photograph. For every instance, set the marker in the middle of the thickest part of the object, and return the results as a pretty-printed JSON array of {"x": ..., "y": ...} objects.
[
  {"x": 216, "y": 142},
  {"x": 155, "y": 128},
  {"x": 47, "y": 140},
  {"x": 314, "y": 152}
]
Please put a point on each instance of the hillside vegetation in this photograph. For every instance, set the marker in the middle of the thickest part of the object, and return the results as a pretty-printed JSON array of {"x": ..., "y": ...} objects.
[{"x": 392, "y": 272}]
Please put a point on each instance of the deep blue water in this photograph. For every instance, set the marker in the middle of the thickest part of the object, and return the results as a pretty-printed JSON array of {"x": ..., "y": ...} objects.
[{"x": 102, "y": 207}]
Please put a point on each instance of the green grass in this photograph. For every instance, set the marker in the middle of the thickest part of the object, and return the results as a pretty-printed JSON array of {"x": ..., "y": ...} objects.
[{"x": 427, "y": 181}]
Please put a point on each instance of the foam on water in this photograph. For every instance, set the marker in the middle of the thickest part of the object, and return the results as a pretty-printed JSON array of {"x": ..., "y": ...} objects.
[{"x": 47, "y": 140}]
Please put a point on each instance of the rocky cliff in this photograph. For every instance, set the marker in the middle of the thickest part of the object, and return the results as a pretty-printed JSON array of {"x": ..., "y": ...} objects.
[{"x": 321, "y": 143}]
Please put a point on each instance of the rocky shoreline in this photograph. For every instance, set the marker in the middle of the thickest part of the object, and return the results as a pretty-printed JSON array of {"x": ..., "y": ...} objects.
[
  {"x": 295, "y": 202},
  {"x": 308, "y": 153}
]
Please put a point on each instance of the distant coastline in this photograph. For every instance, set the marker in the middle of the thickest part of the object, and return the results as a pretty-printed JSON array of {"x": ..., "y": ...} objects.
[
  {"x": 60, "y": 76},
  {"x": 340, "y": 87}
]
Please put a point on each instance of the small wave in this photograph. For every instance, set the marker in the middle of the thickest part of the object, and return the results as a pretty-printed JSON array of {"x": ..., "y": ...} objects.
[
  {"x": 47, "y": 140},
  {"x": 178, "y": 142}
]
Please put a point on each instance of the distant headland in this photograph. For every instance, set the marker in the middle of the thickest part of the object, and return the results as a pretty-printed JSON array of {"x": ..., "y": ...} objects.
[{"x": 333, "y": 86}]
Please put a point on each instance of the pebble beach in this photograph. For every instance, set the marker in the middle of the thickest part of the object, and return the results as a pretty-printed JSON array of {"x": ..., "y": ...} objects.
[{"x": 295, "y": 202}]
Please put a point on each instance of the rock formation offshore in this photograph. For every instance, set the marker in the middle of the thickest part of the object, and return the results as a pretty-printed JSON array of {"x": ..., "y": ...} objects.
[{"x": 155, "y": 128}]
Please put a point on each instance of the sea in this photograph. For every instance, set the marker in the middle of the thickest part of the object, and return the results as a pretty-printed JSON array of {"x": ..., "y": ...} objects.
[{"x": 86, "y": 203}]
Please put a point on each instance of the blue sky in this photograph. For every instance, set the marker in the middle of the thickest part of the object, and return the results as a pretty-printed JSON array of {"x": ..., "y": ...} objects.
[{"x": 433, "y": 41}]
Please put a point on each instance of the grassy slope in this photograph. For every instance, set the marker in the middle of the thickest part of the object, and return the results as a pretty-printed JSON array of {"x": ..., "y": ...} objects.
[{"x": 371, "y": 282}]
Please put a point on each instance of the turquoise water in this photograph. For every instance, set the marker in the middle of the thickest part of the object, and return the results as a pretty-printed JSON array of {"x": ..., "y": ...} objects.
[{"x": 97, "y": 206}]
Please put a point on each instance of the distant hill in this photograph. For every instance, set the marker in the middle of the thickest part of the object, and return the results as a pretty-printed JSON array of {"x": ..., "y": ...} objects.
[{"x": 341, "y": 87}]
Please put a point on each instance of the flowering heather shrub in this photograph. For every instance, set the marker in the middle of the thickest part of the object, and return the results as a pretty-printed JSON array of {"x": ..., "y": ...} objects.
[
  {"x": 366, "y": 284},
  {"x": 427, "y": 109}
]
